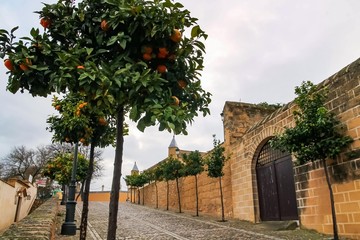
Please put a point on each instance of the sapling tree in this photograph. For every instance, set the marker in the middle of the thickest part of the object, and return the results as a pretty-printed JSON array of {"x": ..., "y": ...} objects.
[
  {"x": 141, "y": 180},
  {"x": 123, "y": 56},
  {"x": 130, "y": 182},
  {"x": 316, "y": 135},
  {"x": 158, "y": 175},
  {"x": 215, "y": 165},
  {"x": 173, "y": 170},
  {"x": 194, "y": 165}
]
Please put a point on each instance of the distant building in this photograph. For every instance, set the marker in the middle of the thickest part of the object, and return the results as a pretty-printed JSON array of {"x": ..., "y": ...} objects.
[{"x": 16, "y": 199}]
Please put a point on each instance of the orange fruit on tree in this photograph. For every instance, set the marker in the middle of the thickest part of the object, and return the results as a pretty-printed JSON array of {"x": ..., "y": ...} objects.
[
  {"x": 176, "y": 36},
  {"x": 23, "y": 67},
  {"x": 82, "y": 140},
  {"x": 161, "y": 68},
  {"x": 28, "y": 62},
  {"x": 104, "y": 25},
  {"x": 80, "y": 67},
  {"x": 58, "y": 107},
  {"x": 182, "y": 84},
  {"x": 176, "y": 101},
  {"x": 147, "y": 49},
  {"x": 8, "y": 64},
  {"x": 163, "y": 50},
  {"x": 45, "y": 22},
  {"x": 147, "y": 56},
  {"x": 102, "y": 121},
  {"x": 161, "y": 55},
  {"x": 82, "y": 105}
]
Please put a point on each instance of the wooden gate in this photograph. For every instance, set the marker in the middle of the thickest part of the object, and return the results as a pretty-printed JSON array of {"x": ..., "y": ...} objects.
[{"x": 276, "y": 187}]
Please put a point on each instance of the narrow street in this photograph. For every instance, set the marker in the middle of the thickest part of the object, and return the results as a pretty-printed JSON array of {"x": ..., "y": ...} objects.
[{"x": 139, "y": 222}]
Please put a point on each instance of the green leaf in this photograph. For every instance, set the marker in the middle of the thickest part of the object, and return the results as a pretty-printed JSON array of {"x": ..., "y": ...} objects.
[
  {"x": 111, "y": 99},
  {"x": 14, "y": 29},
  {"x": 120, "y": 71},
  {"x": 195, "y": 31},
  {"x": 123, "y": 43},
  {"x": 171, "y": 125},
  {"x": 134, "y": 113},
  {"x": 112, "y": 2},
  {"x": 100, "y": 51},
  {"x": 141, "y": 125},
  {"x": 112, "y": 40},
  {"x": 89, "y": 50}
]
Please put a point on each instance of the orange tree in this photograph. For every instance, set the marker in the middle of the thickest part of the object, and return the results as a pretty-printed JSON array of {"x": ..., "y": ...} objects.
[
  {"x": 125, "y": 56},
  {"x": 59, "y": 168},
  {"x": 79, "y": 121}
]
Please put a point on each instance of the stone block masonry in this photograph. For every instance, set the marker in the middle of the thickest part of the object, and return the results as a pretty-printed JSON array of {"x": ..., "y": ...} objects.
[{"x": 247, "y": 128}]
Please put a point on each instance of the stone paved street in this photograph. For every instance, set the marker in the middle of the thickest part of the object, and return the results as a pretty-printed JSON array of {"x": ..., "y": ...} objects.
[{"x": 137, "y": 222}]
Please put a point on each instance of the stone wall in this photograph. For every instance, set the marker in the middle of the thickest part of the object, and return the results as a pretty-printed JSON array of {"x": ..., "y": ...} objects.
[
  {"x": 104, "y": 196},
  {"x": 247, "y": 128},
  {"x": 208, "y": 189},
  {"x": 39, "y": 225},
  {"x": 312, "y": 193}
]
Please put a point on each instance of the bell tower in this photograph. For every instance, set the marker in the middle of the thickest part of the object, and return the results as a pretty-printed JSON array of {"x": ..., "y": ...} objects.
[
  {"x": 173, "y": 148},
  {"x": 135, "y": 170}
]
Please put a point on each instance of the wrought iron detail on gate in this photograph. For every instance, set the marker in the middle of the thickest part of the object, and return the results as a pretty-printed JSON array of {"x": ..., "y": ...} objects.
[{"x": 268, "y": 155}]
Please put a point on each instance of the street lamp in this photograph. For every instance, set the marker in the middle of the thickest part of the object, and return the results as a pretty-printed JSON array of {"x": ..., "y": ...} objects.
[{"x": 69, "y": 226}]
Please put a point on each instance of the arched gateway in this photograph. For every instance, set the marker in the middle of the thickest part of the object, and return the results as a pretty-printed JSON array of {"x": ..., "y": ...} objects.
[{"x": 275, "y": 183}]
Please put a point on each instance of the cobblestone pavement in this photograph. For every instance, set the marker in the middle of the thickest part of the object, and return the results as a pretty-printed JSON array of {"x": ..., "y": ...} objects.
[{"x": 137, "y": 222}]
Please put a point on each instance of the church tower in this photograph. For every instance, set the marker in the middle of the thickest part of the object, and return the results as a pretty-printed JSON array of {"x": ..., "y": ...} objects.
[
  {"x": 135, "y": 170},
  {"x": 173, "y": 148}
]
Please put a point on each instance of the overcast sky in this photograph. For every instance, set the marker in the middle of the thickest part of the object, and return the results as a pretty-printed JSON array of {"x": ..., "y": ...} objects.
[{"x": 257, "y": 51}]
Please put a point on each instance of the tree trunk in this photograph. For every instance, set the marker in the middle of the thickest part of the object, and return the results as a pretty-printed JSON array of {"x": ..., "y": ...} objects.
[
  {"x": 143, "y": 188},
  {"x": 335, "y": 230},
  {"x": 64, "y": 195},
  {"x": 115, "y": 187},
  {"x": 85, "y": 208},
  {"x": 222, "y": 202},
  {"x": 157, "y": 196},
  {"x": 178, "y": 193},
  {"x": 197, "y": 196},
  {"x": 167, "y": 195},
  {"x": 138, "y": 195},
  {"x": 81, "y": 191}
]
